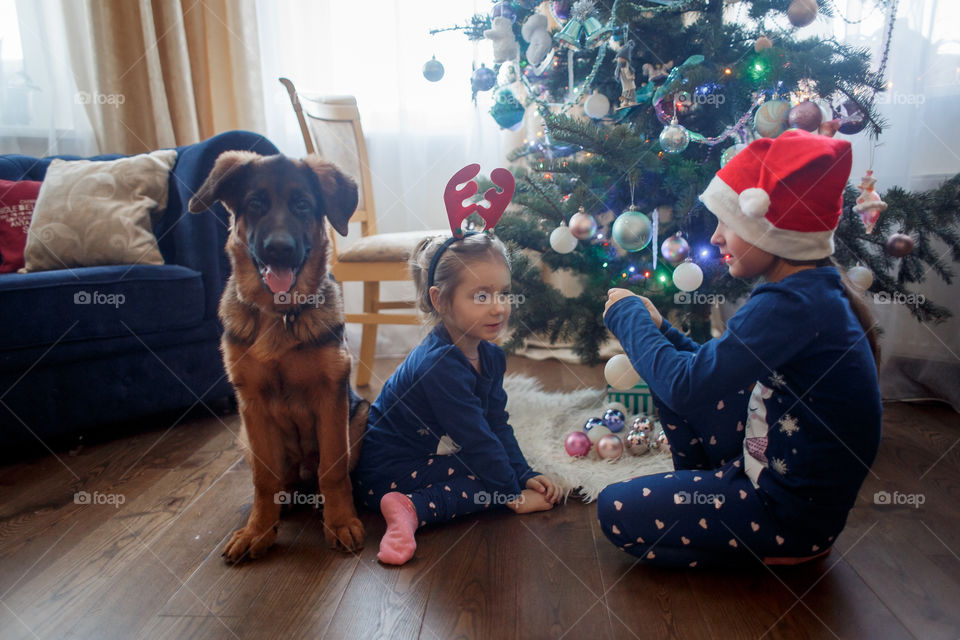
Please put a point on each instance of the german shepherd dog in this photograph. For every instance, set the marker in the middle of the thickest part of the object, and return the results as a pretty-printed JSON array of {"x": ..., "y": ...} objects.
[{"x": 283, "y": 343}]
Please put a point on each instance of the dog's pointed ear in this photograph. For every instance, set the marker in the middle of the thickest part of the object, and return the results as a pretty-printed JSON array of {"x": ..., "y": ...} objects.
[
  {"x": 338, "y": 191},
  {"x": 228, "y": 168}
]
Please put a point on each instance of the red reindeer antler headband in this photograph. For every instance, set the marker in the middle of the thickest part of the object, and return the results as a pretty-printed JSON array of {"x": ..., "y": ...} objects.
[{"x": 462, "y": 186}]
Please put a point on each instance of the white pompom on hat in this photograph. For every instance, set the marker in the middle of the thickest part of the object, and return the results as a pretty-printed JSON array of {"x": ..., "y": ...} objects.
[{"x": 784, "y": 195}]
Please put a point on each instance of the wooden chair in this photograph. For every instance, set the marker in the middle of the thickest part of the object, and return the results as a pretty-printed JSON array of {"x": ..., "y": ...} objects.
[{"x": 331, "y": 128}]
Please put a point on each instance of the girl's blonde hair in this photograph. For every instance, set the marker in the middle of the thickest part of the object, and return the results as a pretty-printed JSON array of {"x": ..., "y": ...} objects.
[{"x": 455, "y": 259}]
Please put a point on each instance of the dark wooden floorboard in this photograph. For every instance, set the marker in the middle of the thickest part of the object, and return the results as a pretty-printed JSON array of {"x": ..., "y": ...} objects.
[{"x": 152, "y": 568}]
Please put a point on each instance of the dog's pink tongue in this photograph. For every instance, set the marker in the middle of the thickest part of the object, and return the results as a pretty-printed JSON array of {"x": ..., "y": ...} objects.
[{"x": 278, "y": 279}]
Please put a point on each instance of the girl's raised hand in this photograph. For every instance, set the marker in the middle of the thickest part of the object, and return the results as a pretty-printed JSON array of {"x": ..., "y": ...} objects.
[{"x": 613, "y": 295}]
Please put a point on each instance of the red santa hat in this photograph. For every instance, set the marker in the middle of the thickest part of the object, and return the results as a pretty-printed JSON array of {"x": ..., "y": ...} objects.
[{"x": 784, "y": 195}]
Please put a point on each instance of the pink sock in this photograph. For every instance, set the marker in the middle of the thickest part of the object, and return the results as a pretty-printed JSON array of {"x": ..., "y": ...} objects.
[{"x": 397, "y": 545}]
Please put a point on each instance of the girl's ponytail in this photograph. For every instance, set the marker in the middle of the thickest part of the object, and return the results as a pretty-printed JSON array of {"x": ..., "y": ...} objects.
[{"x": 862, "y": 312}]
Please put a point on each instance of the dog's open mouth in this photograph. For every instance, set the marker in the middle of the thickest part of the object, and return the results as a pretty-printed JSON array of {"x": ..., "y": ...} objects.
[{"x": 278, "y": 279}]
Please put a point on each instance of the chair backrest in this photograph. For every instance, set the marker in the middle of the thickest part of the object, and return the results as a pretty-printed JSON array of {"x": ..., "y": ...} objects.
[{"x": 331, "y": 128}]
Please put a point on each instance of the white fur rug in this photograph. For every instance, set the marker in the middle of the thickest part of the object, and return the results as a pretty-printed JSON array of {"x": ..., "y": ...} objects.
[{"x": 541, "y": 421}]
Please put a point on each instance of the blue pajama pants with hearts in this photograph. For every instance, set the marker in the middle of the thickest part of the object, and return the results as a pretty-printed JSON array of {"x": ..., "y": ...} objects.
[
  {"x": 441, "y": 488},
  {"x": 706, "y": 511}
]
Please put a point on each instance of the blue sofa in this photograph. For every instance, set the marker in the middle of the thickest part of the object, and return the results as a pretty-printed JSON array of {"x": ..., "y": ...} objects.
[{"x": 69, "y": 368}]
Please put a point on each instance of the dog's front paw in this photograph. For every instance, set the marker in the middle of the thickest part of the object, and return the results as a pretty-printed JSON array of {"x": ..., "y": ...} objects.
[
  {"x": 345, "y": 536},
  {"x": 247, "y": 544}
]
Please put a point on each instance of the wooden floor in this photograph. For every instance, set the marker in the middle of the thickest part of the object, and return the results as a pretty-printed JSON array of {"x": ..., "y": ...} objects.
[{"x": 151, "y": 566}]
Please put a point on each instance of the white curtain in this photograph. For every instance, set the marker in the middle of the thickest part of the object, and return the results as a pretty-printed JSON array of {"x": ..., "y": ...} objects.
[
  {"x": 418, "y": 132},
  {"x": 918, "y": 151},
  {"x": 42, "y": 112}
]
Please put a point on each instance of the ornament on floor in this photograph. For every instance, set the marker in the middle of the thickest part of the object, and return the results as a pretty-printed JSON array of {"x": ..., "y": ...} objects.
[
  {"x": 632, "y": 230},
  {"x": 762, "y": 43},
  {"x": 620, "y": 374},
  {"x": 637, "y": 442},
  {"x": 596, "y": 105},
  {"x": 598, "y": 432},
  {"x": 688, "y": 276},
  {"x": 539, "y": 42},
  {"x": 482, "y": 79},
  {"x": 674, "y": 138},
  {"x": 771, "y": 118},
  {"x": 505, "y": 46},
  {"x": 577, "y": 444},
  {"x": 899, "y": 245},
  {"x": 619, "y": 406},
  {"x": 609, "y": 447},
  {"x": 675, "y": 249},
  {"x": 614, "y": 420},
  {"x": 433, "y": 69},
  {"x": 582, "y": 225},
  {"x": 802, "y": 12},
  {"x": 806, "y": 116},
  {"x": 860, "y": 277},
  {"x": 592, "y": 423},
  {"x": 869, "y": 205},
  {"x": 561, "y": 240},
  {"x": 664, "y": 444},
  {"x": 507, "y": 110},
  {"x": 643, "y": 423}
]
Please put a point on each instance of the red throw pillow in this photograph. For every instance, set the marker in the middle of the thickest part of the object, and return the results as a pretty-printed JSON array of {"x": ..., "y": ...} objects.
[{"x": 17, "y": 200}]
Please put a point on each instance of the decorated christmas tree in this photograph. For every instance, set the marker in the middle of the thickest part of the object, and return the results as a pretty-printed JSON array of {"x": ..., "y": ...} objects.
[{"x": 630, "y": 107}]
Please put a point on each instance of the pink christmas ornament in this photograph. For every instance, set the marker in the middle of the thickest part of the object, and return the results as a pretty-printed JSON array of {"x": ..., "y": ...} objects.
[
  {"x": 577, "y": 444},
  {"x": 610, "y": 447}
]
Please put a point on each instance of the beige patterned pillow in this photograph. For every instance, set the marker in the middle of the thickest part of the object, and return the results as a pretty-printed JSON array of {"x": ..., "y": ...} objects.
[{"x": 95, "y": 212}]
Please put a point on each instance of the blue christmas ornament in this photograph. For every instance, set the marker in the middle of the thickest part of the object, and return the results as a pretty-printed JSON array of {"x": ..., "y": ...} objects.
[
  {"x": 593, "y": 422},
  {"x": 613, "y": 419}
]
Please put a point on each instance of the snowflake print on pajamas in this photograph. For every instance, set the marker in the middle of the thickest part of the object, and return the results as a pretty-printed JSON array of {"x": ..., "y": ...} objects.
[
  {"x": 779, "y": 465},
  {"x": 788, "y": 425}
]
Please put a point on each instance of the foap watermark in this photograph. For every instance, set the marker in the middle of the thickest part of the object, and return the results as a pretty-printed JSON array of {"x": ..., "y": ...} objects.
[
  {"x": 687, "y": 99},
  {"x": 85, "y": 497},
  {"x": 695, "y": 297},
  {"x": 898, "y": 499},
  {"x": 505, "y": 299},
  {"x": 685, "y": 497},
  {"x": 909, "y": 299},
  {"x": 497, "y": 498},
  {"x": 297, "y": 498},
  {"x": 299, "y": 298},
  {"x": 98, "y": 297},
  {"x": 112, "y": 99},
  {"x": 896, "y": 97}
]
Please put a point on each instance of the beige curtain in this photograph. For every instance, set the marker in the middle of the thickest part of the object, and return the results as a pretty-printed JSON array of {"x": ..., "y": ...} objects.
[{"x": 163, "y": 73}]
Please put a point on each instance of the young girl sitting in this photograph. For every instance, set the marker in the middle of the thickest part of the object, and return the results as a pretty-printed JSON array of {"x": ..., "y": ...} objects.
[
  {"x": 769, "y": 473},
  {"x": 438, "y": 444}
]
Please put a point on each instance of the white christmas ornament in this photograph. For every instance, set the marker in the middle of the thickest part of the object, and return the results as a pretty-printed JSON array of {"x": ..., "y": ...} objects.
[
  {"x": 861, "y": 277},
  {"x": 596, "y": 105},
  {"x": 620, "y": 374},
  {"x": 688, "y": 276},
  {"x": 561, "y": 240}
]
